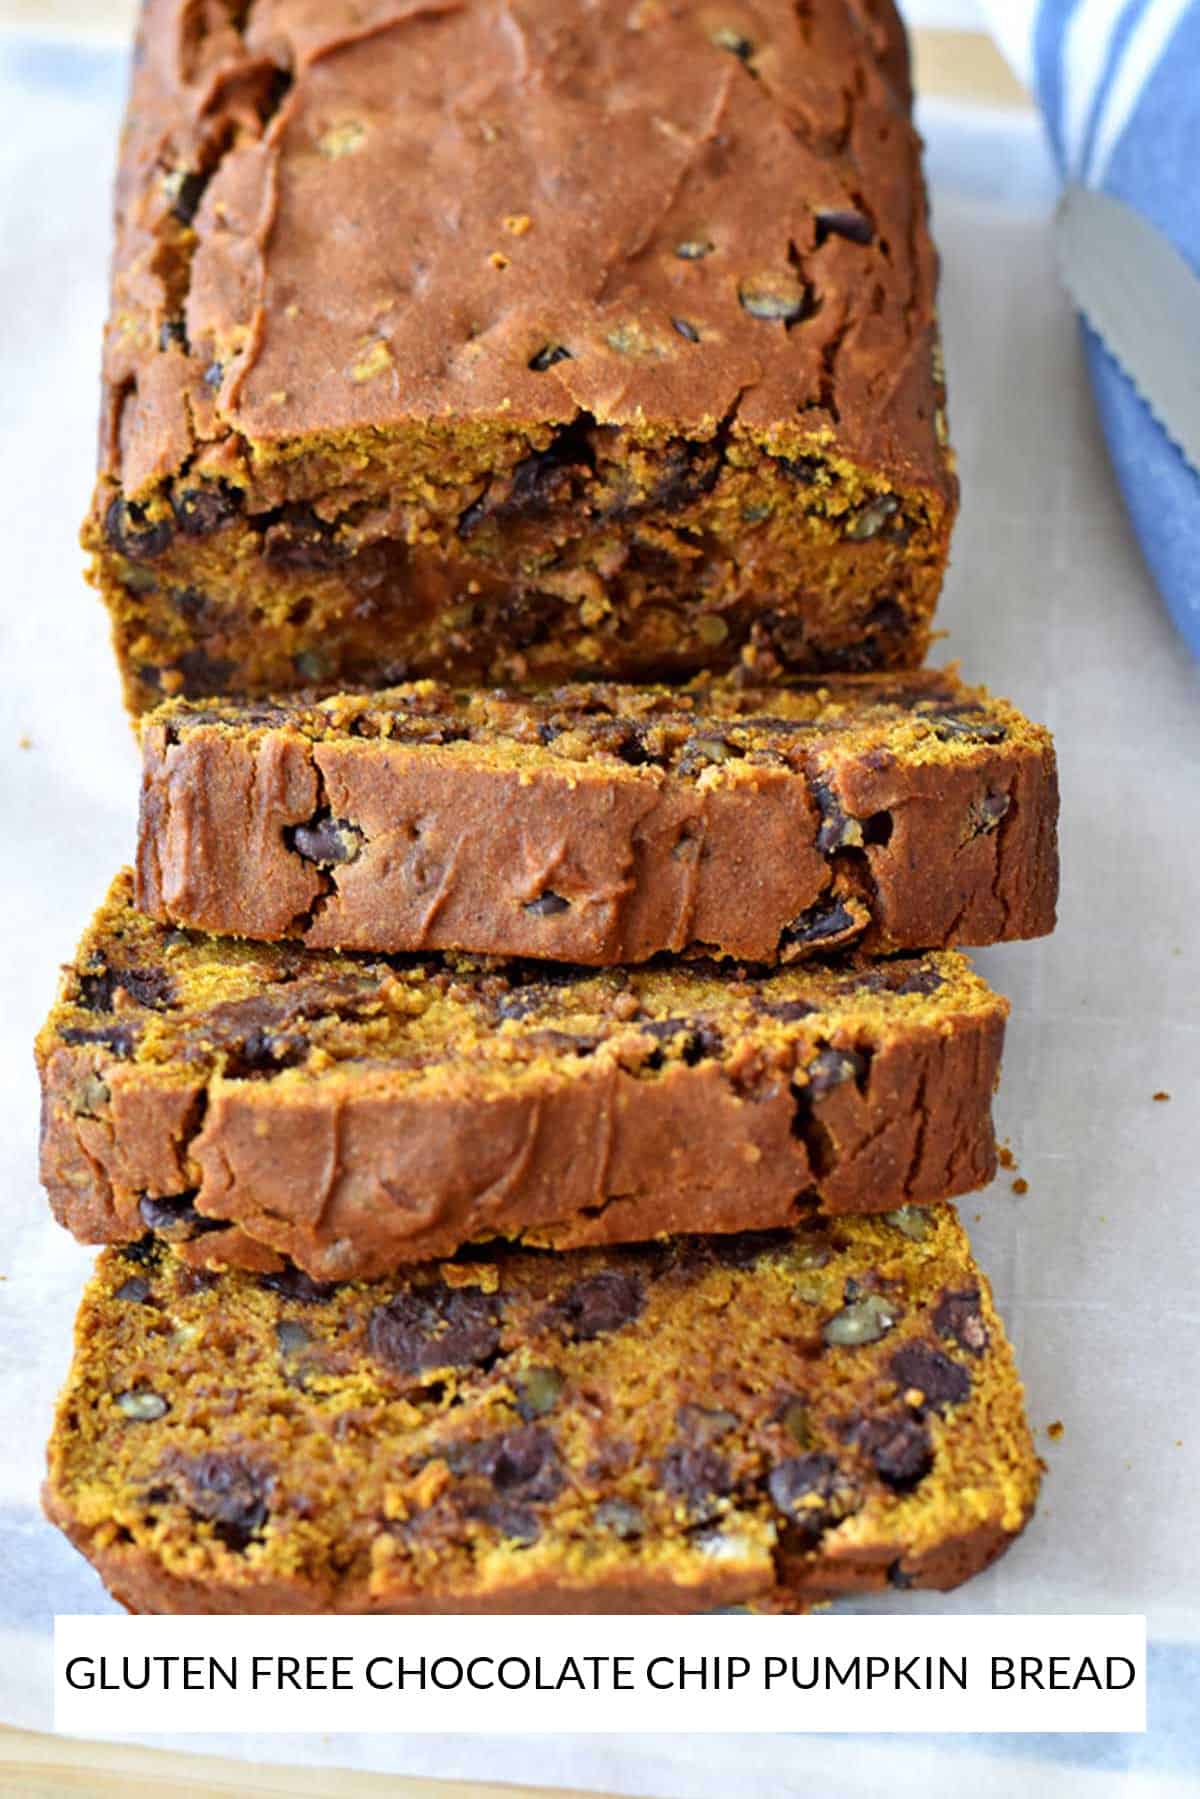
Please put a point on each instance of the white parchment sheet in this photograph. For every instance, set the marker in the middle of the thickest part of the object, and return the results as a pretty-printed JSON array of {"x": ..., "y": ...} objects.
[{"x": 1096, "y": 1268}]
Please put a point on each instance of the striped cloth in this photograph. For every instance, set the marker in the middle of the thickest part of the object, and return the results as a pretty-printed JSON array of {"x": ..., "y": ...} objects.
[{"x": 1119, "y": 86}]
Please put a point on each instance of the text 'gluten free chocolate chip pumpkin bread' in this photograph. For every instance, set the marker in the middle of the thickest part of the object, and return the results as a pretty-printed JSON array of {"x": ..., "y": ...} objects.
[
  {"x": 599, "y": 823},
  {"x": 400, "y": 379},
  {"x": 354, "y": 1112},
  {"x": 748, "y": 1420}
]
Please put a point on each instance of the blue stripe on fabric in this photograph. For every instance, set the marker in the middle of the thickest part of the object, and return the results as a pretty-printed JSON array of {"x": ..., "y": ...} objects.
[
  {"x": 1155, "y": 163},
  {"x": 1130, "y": 17},
  {"x": 1160, "y": 489},
  {"x": 1048, "y": 38}
]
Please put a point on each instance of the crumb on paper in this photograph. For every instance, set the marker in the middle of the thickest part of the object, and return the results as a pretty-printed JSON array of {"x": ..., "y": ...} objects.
[
  {"x": 1160, "y": 1095},
  {"x": 24, "y": 741},
  {"x": 1005, "y": 1157},
  {"x": 1054, "y": 1431},
  {"x": 1020, "y": 1186}
]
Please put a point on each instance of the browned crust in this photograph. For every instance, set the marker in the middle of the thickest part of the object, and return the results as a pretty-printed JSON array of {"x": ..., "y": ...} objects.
[
  {"x": 352, "y": 1183},
  {"x": 236, "y": 371},
  {"x": 456, "y": 849},
  {"x": 139, "y": 1582}
]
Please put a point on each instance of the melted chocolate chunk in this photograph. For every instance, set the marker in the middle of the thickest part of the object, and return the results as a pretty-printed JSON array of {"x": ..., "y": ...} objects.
[
  {"x": 700, "y": 1041},
  {"x": 325, "y": 839},
  {"x": 740, "y": 1249},
  {"x": 695, "y": 1473},
  {"x": 942, "y": 1381},
  {"x": 960, "y": 1316},
  {"x": 227, "y": 1490},
  {"x": 199, "y": 511},
  {"x": 831, "y": 1068},
  {"x": 824, "y": 922},
  {"x": 435, "y": 1327},
  {"x": 298, "y": 537},
  {"x": 131, "y": 534},
  {"x": 898, "y": 1446},
  {"x": 292, "y": 1283},
  {"x": 845, "y": 222},
  {"x": 521, "y": 1470},
  {"x": 596, "y": 1304},
  {"x": 795, "y": 1484},
  {"x": 176, "y": 1218},
  {"x": 121, "y": 1039},
  {"x": 150, "y": 987},
  {"x": 962, "y": 725},
  {"x": 135, "y": 1290}
]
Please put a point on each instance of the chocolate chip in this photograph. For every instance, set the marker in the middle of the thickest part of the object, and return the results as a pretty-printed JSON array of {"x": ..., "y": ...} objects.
[
  {"x": 131, "y": 534},
  {"x": 547, "y": 356},
  {"x": 864, "y": 1320},
  {"x": 700, "y": 1041},
  {"x": 145, "y": 1253},
  {"x": 293, "y": 1283},
  {"x": 942, "y": 1381},
  {"x": 325, "y": 840},
  {"x": 203, "y": 674},
  {"x": 226, "y": 1490},
  {"x": 788, "y": 1011},
  {"x": 960, "y": 1316},
  {"x": 845, "y": 222},
  {"x": 623, "y": 1519},
  {"x": 823, "y": 922},
  {"x": 135, "y": 1290},
  {"x": 522, "y": 1470},
  {"x": 189, "y": 185},
  {"x": 742, "y": 1249},
  {"x": 176, "y": 1218},
  {"x": 150, "y": 987},
  {"x": 837, "y": 829},
  {"x": 962, "y": 726},
  {"x": 869, "y": 522},
  {"x": 547, "y": 905},
  {"x": 922, "y": 980},
  {"x": 141, "y": 1406},
  {"x": 802, "y": 1487},
  {"x": 899, "y": 1578},
  {"x": 298, "y": 537},
  {"x": 899, "y": 1447},
  {"x": 805, "y": 469},
  {"x": 596, "y": 1304},
  {"x": 538, "y": 1392},
  {"x": 199, "y": 511},
  {"x": 686, "y": 330},
  {"x": 435, "y": 1327},
  {"x": 984, "y": 815},
  {"x": 694, "y": 249},
  {"x": 695, "y": 1473},
  {"x": 831, "y": 1068}
]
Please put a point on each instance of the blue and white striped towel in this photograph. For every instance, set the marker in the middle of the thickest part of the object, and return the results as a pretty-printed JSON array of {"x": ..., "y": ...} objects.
[{"x": 1119, "y": 86}]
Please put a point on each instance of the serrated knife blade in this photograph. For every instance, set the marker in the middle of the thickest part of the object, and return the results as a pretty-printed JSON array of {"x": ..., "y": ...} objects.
[{"x": 1142, "y": 299}]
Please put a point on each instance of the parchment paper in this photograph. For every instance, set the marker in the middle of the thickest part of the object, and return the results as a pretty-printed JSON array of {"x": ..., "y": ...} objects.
[{"x": 1095, "y": 1267}]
